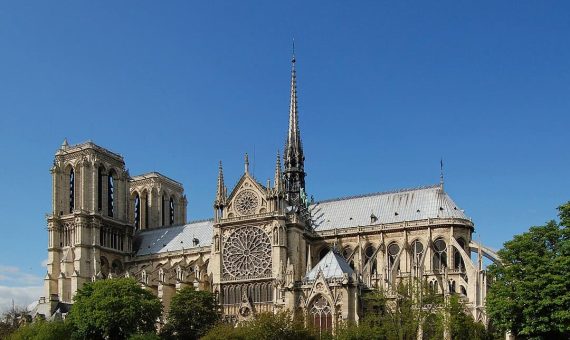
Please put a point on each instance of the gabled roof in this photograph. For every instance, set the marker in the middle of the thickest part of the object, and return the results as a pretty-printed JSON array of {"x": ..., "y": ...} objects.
[
  {"x": 333, "y": 266},
  {"x": 386, "y": 207},
  {"x": 165, "y": 239}
]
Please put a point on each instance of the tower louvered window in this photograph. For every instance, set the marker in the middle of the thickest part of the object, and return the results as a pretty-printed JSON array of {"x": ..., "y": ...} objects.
[
  {"x": 71, "y": 190},
  {"x": 110, "y": 194}
]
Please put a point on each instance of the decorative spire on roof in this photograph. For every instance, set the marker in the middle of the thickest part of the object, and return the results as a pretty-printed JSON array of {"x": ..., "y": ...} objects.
[
  {"x": 65, "y": 144},
  {"x": 246, "y": 164},
  {"x": 294, "y": 159},
  {"x": 278, "y": 181},
  {"x": 221, "y": 192}
]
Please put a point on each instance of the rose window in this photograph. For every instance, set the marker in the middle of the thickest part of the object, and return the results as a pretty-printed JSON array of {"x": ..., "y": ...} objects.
[
  {"x": 247, "y": 253},
  {"x": 246, "y": 202}
]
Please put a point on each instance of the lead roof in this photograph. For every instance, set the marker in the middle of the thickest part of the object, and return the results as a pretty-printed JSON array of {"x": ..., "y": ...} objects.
[{"x": 378, "y": 208}]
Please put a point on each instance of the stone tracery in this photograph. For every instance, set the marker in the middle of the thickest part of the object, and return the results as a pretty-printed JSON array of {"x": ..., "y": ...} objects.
[{"x": 247, "y": 253}]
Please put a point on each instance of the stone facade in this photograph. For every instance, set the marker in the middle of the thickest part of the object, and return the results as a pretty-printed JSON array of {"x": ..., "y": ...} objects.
[{"x": 267, "y": 248}]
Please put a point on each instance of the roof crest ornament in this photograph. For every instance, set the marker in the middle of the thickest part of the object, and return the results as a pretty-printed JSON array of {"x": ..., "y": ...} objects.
[{"x": 246, "y": 163}]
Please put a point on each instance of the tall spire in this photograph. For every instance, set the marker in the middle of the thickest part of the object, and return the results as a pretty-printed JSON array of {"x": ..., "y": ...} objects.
[
  {"x": 293, "y": 157},
  {"x": 293, "y": 147},
  {"x": 221, "y": 189}
]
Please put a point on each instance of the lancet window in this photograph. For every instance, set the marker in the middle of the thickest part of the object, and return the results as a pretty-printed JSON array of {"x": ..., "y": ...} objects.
[
  {"x": 457, "y": 259},
  {"x": 260, "y": 292},
  {"x": 320, "y": 314},
  {"x": 67, "y": 235},
  {"x": 439, "y": 255},
  {"x": 71, "y": 190},
  {"x": 393, "y": 251},
  {"x": 110, "y": 193},
  {"x": 137, "y": 212}
]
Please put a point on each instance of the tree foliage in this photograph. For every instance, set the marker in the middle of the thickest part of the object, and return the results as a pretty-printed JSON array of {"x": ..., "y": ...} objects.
[
  {"x": 265, "y": 326},
  {"x": 192, "y": 313},
  {"x": 530, "y": 293},
  {"x": 414, "y": 309},
  {"x": 113, "y": 309},
  {"x": 42, "y": 330}
]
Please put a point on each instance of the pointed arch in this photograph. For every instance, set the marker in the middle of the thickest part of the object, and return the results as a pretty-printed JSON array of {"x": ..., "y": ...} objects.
[
  {"x": 321, "y": 314},
  {"x": 70, "y": 175},
  {"x": 111, "y": 178}
]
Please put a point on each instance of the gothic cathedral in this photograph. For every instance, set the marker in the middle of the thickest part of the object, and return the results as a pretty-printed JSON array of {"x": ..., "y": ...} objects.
[{"x": 268, "y": 246}]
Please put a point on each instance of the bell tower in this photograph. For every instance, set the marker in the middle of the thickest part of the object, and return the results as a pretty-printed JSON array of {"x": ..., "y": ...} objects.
[{"x": 89, "y": 233}]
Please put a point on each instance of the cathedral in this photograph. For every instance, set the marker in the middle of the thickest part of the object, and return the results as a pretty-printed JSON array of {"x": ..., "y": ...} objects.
[{"x": 267, "y": 247}]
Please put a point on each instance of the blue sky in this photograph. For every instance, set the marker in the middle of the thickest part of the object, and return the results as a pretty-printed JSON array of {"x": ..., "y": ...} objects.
[{"x": 385, "y": 90}]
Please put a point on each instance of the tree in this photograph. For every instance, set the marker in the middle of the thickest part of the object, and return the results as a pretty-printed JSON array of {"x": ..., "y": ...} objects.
[
  {"x": 42, "y": 330},
  {"x": 113, "y": 309},
  {"x": 530, "y": 292},
  {"x": 192, "y": 313},
  {"x": 265, "y": 326},
  {"x": 461, "y": 325}
]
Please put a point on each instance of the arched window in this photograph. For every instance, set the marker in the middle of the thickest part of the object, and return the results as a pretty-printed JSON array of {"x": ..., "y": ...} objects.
[
  {"x": 393, "y": 251},
  {"x": 451, "y": 286},
  {"x": 439, "y": 255},
  {"x": 369, "y": 252},
  {"x": 71, "y": 190},
  {"x": 171, "y": 208},
  {"x": 433, "y": 286},
  {"x": 110, "y": 193},
  {"x": 457, "y": 259},
  {"x": 346, "y": 253},
  {"x": 463, "y": 290},
  {"x": 320, "y": 314},
  {"x": 417, "y": 252},
  {"x": 137, "y": 212}
]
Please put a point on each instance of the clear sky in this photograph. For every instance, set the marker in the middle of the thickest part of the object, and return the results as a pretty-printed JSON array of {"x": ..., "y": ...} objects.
[{"x": 386, "y": 88}]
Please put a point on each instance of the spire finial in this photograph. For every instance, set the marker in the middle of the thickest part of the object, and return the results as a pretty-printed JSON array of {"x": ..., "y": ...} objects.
[
  {"x": 293, "y": 54},
  {"x": 246, "y": 163},
  {"x": 278, "y": 182},
  {"x": 441, "y": 172},
  {"x": 65, "y": 144},
  {"x": 221, "y": 188}
]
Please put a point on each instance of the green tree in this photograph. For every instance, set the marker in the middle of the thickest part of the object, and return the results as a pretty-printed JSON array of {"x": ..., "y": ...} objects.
[
  {"x": 462, "y": 326},
  {"x": 401, "y": 316},
  {"x": 42, "y": 330},
  {"x": 265, "y": 326},
  {"x": 113, "y": 309},
  {"x": 530, "y": 292},
  {"x": 192, "y": 313}
]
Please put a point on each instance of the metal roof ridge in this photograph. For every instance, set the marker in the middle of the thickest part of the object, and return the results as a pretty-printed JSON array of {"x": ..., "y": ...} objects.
[{"x": 432, "y": 186}]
